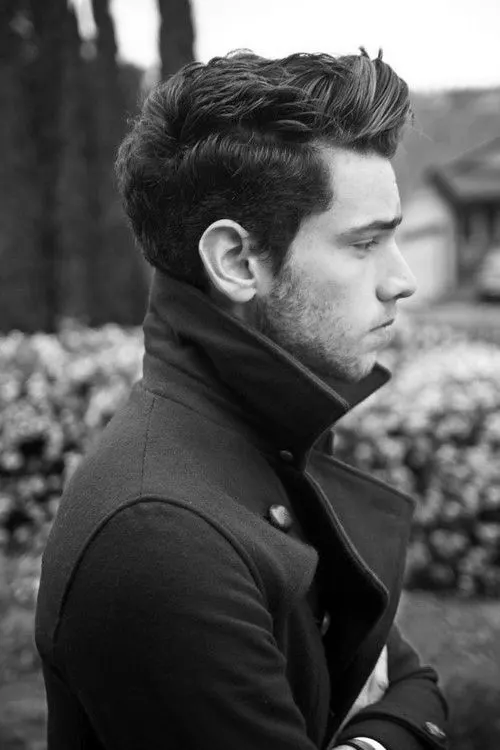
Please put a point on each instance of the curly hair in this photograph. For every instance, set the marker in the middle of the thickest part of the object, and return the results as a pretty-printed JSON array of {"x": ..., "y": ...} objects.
[{"x": 238, "y": 138}]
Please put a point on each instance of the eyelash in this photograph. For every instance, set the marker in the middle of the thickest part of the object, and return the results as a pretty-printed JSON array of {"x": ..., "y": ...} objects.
[{"x": 366, "y": 245}]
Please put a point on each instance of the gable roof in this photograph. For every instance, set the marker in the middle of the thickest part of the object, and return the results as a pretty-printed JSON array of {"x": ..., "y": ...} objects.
[{"x": 472, "y": 177}]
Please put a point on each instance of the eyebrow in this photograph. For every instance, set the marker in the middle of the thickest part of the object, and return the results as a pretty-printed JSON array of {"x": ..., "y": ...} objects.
[{"x": 373, "y": 226}]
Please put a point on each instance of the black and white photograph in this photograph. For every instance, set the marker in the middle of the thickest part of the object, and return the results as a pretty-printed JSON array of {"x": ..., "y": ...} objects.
[{"x": 249, "y": 375}]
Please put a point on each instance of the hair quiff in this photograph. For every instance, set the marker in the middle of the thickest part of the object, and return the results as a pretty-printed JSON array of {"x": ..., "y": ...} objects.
[{"x": 238, "y": 138}]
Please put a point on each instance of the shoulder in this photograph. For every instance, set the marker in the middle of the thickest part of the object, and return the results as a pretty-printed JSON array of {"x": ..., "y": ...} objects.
[{"x": 158, "y": 539}]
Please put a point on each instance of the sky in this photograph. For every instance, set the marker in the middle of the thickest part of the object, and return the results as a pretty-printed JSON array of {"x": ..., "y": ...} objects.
[{"x": 432, "y": 44}]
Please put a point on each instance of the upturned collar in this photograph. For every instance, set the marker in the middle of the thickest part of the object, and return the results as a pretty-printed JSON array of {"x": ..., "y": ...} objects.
[{"x": 189, "y": 339}]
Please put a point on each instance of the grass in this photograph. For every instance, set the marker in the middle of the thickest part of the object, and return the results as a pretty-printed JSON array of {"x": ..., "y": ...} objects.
[
  {"x": 22, "y": 697},
  {"x": 460, "y": 637},
  {"x": 23, "y": 713}
]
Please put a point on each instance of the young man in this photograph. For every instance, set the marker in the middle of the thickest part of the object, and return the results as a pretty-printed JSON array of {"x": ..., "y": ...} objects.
[{"x": 215, "y": 578}]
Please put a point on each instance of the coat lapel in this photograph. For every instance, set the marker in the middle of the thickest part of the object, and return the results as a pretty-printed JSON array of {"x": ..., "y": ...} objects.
[{"x": 359, "y": 576}]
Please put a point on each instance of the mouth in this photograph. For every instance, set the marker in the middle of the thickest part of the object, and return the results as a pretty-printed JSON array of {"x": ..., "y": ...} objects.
[{"x": 384, "y": 325}]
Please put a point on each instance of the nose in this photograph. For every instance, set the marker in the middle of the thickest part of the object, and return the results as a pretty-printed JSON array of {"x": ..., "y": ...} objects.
[{"x": 397, "y": 280}]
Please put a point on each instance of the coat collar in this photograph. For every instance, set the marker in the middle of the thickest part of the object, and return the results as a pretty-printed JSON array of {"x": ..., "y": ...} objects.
[{"x": 278, "y": 397}]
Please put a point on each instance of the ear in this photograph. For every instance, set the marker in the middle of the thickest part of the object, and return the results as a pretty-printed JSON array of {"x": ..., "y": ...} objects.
[{"x": 226, "y": 252}]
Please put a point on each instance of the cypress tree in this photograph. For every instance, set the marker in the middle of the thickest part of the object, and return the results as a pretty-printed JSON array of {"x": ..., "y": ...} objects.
[
  {"x": 176, "y": 37},
  {"x": 46, "y": 79},
  {"x": 76, "y": 194},
  {"x": 19, "y": 207},
  {"x": 119, "y": 277}
]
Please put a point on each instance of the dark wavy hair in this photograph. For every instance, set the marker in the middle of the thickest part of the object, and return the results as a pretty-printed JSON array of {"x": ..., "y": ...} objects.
[{"x": 238, "y": 138}]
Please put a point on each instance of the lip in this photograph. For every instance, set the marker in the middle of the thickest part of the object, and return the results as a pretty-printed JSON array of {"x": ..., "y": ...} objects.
[{"x": 384, "y": 325}]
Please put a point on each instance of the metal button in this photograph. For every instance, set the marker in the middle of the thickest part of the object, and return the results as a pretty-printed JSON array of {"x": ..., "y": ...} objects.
[
  {"x": 280, "y": 517},
  {"x": 287, "y": 456},
  {"x": 434, "y": 730},
  {"x": 325, "y": 624}
]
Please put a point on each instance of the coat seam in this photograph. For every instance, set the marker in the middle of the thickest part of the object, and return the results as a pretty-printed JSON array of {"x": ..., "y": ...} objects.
[{"x": 254, "y": 573}]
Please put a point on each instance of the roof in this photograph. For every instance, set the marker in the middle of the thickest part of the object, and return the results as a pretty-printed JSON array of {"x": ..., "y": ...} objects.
[{"x": 473, "y": 176}]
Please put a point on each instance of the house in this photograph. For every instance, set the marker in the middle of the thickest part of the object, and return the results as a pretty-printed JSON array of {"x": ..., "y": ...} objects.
[
  {"x": 452, "y": 220},
  {"x": 427, "y": 241},
  {"x": 471, "y": 187}
]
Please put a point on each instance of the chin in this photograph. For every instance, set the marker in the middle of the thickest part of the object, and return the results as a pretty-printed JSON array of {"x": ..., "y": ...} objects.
[
  {"x": 355, "y": 371},
  {"x": 367, "y": 367},
  {"x": 347, "y": 371}
]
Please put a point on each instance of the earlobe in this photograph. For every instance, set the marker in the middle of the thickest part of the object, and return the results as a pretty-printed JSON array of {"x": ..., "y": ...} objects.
[{"x": 224, "y": 250}]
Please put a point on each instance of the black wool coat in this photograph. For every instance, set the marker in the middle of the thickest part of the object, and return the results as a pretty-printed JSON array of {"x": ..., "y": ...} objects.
[{"x": 215, "y": 578}]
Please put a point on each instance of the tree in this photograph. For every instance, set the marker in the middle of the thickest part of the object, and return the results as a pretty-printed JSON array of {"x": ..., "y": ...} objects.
[
  {"x": 65, "y": 248},
  {"x": 19, "y": 306},
  {"x": 46, "y": 80},
  {"x": 176, "y": 37},
  {"x": 76, "y": 193},
  {"x": 118, "y": 288}
]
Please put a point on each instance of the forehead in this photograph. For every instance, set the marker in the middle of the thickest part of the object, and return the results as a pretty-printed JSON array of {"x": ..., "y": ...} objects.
[{"x": 364, "y": 188}]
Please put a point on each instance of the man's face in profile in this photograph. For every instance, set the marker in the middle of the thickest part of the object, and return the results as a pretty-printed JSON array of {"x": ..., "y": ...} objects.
[{"x": 344, "y": 273}]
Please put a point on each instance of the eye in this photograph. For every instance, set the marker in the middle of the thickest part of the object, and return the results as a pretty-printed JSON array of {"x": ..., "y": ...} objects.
[{"x": 365, "y": 246}]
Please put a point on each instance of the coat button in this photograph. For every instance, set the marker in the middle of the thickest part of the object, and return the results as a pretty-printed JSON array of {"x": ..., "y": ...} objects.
[
  {"x": 325, "y": 624},
  {"x": 434, "y": 730},
  {"x": 280, "y": 517},
  {"x": 287, "y": 456}
]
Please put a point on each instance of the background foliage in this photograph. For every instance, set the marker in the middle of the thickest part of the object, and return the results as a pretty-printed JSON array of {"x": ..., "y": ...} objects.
[{"x": 434, "y": 433}]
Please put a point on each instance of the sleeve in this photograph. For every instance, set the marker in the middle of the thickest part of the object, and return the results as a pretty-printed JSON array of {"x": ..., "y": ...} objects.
[
  {"x": 412, "y": 714},
  {"x": 167, "y": 641}
]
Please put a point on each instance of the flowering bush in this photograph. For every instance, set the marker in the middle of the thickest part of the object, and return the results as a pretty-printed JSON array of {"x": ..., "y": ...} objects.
[
  {"x": 434, "y": 433},
  {"x": 56, "y": 394}
]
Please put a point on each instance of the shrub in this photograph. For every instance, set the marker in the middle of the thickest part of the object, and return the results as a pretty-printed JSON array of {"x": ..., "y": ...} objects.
[
  {"x": 56, "y": 394},
  {"x": 474, "y": 718},
  {"x": 435, "y": 433}
]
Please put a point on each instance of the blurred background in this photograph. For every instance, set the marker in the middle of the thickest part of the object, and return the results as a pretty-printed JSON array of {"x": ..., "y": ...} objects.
[{"x": 73, "y": 291}]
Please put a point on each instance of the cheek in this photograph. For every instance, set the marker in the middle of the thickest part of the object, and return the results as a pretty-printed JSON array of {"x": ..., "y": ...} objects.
[
  {"x": 338, "y": 292},
  {"x": 343, "y": 272},
  {"x": 357, "y": 296},
  {"x": 346, "y": 302}
]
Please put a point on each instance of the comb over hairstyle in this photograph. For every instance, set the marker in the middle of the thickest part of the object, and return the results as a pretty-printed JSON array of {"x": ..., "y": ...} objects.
[{"x": 239, "y": 138}]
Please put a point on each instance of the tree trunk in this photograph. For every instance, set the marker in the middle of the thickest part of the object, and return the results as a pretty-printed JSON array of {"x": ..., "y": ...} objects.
[
  {"x": 118, "y": 282},
  {"x": 75, "y": 191},
  {"x": 46, "y": 78},
  {"x": 19, "y": 306},
  {"x": 176, "y": 37}
]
